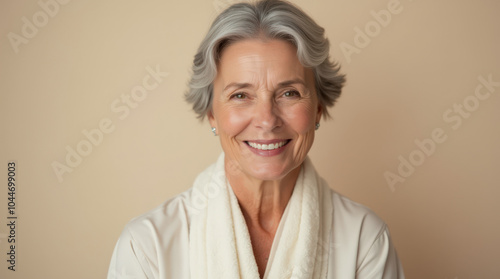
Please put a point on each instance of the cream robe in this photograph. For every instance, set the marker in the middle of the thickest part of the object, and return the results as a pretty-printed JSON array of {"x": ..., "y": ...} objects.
[{"x": 159, "y": 244}]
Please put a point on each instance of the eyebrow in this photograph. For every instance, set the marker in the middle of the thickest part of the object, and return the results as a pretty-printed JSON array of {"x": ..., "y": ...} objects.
[
  {"x": 292, "y": 81},
  {"x": 237, "y": 85},
  {"x": 285, "y": 83}
]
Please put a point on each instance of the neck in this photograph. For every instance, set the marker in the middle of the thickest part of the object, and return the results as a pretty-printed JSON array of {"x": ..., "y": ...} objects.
[{"x": 263, "y": 202}]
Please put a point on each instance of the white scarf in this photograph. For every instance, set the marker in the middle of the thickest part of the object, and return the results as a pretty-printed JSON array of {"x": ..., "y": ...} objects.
[{"x": 220, "y": 245}]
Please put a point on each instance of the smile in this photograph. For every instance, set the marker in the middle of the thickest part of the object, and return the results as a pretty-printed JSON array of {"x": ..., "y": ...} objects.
[{"x": 269, "y": 146}]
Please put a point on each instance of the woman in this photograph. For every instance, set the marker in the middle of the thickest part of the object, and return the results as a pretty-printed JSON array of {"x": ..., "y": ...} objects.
[{"x": 263, "y": 78}]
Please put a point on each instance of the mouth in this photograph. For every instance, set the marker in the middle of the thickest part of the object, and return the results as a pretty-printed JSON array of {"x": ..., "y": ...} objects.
[{"x": 269, "y": 145}]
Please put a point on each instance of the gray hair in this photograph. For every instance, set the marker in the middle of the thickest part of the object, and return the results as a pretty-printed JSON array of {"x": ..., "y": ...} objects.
[{"x": 273, "y": 19}]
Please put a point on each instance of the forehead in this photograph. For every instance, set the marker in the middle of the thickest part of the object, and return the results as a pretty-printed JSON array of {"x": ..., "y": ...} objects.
[{"x": 260, "y": 57}]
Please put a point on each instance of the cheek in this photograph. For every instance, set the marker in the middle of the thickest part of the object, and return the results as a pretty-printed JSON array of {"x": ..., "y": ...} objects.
[
  {"x": 232, "y": 121},
  {"x": 301, "y": 118}
]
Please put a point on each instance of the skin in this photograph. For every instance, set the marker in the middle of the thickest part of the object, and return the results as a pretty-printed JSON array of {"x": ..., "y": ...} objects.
[{"x": 262, "y": 94}]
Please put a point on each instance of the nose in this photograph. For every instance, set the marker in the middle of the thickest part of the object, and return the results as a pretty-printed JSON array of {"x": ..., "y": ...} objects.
[{"x": 267, "y": 116}]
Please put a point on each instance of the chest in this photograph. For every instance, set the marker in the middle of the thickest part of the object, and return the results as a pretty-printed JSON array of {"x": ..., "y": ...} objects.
[{"x": 261, "y": 245}]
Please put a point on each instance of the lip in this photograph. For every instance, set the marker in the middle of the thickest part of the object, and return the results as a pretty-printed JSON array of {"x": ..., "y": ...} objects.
[
  {"x": 268, "y": 153},
  {"x": 268, "y": 141}
]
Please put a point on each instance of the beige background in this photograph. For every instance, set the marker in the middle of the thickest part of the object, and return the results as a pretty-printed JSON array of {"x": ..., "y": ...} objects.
[{"x": 444, "y": 218}]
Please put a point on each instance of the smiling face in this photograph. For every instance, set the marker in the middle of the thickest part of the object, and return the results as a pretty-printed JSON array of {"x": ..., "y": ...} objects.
[{"x": 264, "y": 108}]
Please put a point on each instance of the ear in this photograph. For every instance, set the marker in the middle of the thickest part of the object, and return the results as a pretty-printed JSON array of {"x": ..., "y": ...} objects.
[
  {"x": 319, "y": 113},
  {"x": 211, "y": 118}
]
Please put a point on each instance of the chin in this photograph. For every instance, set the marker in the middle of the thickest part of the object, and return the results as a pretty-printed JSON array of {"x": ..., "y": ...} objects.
[{"x": 270, "y": 173}]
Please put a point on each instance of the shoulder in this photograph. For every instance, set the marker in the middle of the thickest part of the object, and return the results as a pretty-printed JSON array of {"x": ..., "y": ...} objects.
[
  {"x": 348, "y": 213},
  {"x": 355, "y": 227},
  {"x": 154, "y": 239},
  {"x": 172, "y": 215},
  {"x": 361, "y": 242}
]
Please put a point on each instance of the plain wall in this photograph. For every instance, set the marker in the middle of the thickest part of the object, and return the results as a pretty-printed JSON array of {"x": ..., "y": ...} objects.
[{"x": 407, "y": 80}]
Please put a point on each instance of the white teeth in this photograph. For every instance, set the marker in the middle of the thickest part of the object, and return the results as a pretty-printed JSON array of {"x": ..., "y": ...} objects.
[{"x": 267, "y": 146}]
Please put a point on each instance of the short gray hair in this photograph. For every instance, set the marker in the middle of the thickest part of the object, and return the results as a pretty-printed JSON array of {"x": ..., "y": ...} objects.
[{"x": 273, "y": 19}]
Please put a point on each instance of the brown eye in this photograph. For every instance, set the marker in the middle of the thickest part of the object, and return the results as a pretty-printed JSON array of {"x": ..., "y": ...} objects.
[
  {"x": 238, "y": 96},
  {"x": 292, "y": 93}
]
